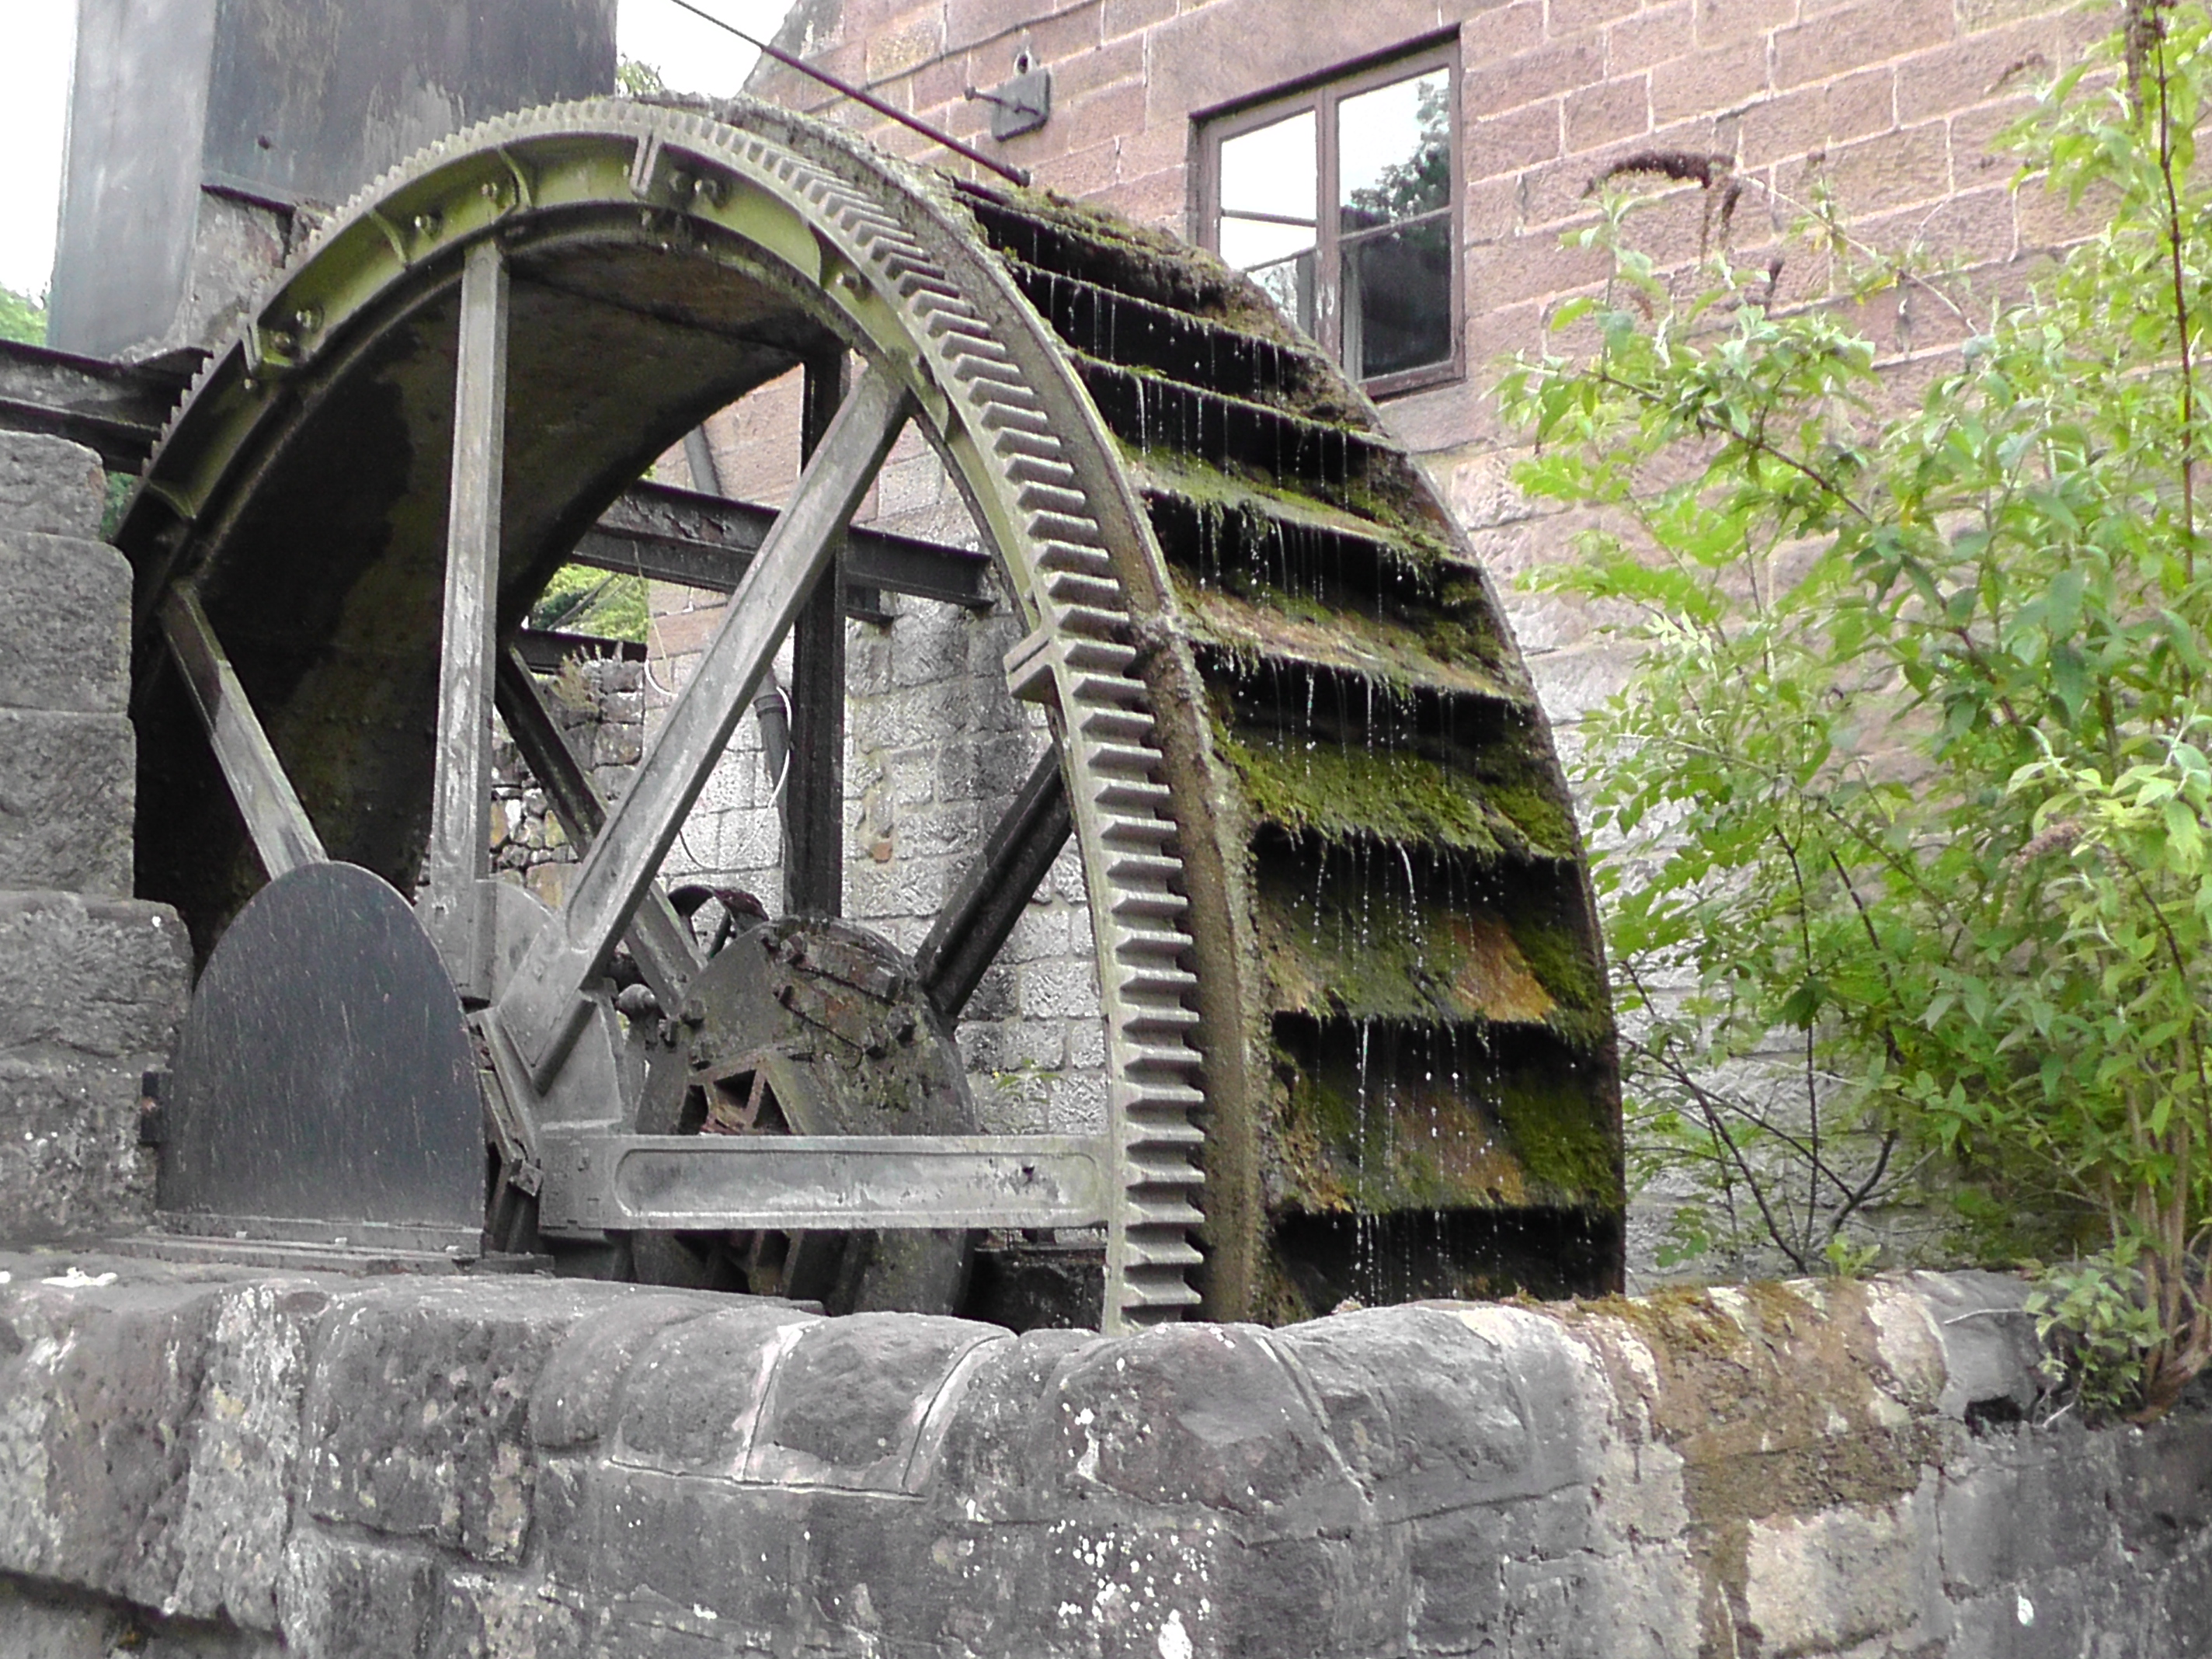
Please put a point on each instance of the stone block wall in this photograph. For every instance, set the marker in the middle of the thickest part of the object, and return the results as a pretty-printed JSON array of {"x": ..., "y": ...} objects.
[
  {"x": 599, "y": 705},
  {"x": 91, "y": 982},
  {"x": 205, "y": 1462}
]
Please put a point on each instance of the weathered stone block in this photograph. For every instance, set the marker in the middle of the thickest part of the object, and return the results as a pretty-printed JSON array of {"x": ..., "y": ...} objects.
[
  {"x": 1193, "y": 1415},
  {"x": 64, "y": 615},
  {"x": 1829, "y": 1580},
  {"x": 417, "y": 1422},
  {"x": 696, "y": 1391},
  {"x": 1424, "y": 1411},
  {"x": 90, "y": 992},
  {"x": 51, "y": 485},
  {"x": 849, "y": 1403},
  {"x": 82, "y": 976},
  {"x": 98, "y": 1381},
  {"x": 67, "y": 782},
  {"x": 70, "y": 1163},
  {"x": 573, "y": 1403}
]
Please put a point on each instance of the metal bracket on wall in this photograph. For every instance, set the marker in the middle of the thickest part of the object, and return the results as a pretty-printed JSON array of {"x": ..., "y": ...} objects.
[{"x": 1023, "y": 104}]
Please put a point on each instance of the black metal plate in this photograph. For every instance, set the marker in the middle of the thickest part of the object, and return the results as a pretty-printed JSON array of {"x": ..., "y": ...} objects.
[{"x": 325, "y": 1073}]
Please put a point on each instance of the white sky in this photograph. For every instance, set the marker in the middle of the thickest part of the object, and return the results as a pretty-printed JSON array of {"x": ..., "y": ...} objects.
[{"x": 692, "y": 55}]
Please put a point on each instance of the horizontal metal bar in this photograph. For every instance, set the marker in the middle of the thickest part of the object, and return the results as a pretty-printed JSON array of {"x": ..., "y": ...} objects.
[
  {"x": 596, "y": 1180},
  {"x": 707, "y": 541},
  {"x": 544, "y": 649},
  {"x": 115, "y": 409}
]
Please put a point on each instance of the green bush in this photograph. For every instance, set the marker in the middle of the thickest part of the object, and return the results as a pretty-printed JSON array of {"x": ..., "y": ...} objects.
[
  {"x": 1911, "y": 785},
  {"x": 23, "y": 319}
]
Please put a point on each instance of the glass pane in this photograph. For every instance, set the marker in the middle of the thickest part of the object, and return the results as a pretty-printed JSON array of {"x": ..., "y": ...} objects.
[
  {"x": 1274, "y": 169},
  {"x": 1397, "y": 299},
  {"x": 1393, "y": 151},
  {"x": 1290, "y": 284},
  {"x": 1248, "y": 242}
]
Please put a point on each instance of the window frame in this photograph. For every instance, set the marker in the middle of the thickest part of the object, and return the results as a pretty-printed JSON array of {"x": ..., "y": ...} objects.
[{"x": 1322, "y": 93}]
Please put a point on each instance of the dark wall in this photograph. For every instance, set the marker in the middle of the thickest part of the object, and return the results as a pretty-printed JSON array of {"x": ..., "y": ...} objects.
[
  {"x": 282, "y": 102},
  {"x": 310, "y": 98}
]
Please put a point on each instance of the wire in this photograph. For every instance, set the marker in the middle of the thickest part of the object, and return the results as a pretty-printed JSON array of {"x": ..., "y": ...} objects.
[{"x": 1018, "y": 175}]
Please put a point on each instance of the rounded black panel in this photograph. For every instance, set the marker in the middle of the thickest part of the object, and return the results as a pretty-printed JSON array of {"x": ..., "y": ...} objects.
[{"x": 325, "y": 1073}]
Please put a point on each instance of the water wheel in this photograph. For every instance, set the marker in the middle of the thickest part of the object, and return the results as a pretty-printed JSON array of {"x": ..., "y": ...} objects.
[{"x": 1355, "y": 1024}]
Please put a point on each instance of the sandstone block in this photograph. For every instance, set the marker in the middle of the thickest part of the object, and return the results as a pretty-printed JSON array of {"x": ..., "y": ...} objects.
[
  {"x": 64, "y": 619},
  {"x": 417, "y": 1422},
  {"x": 51, "y": 485},
  {"x": 67, "y": 785},
  {"x": 82, "y": 976},
  {"x": 70, "y": 1163}
]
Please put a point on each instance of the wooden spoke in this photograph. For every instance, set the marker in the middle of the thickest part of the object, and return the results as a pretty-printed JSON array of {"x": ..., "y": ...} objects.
[
  {"x": 541, "y": 1007},
  {"x": 279, "y": 824},
  {"x": 459, "y": 854},
  {"x": 658, "y": 938},
  {"x": 814, "y": 783}
]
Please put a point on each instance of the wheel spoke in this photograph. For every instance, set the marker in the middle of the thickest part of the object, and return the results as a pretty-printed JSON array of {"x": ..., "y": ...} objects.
[
  {"x": 995, "y": 890},
  {"x": 658, "y": 938},
  {"x": 541, "y": 1007},
  {"x": 814, "y": 781},
  {"x": 283, "y": 836},
  {"x": 460, "y": 841}
]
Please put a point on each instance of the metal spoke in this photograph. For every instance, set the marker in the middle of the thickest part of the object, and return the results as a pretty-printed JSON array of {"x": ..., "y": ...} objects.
[
  {"x": 658, "y": 938},
  {"x": 541, "y": 1008},
  {"x": 995, "y": 889},
  {"x": 282, "y": 835},
  {"x": 461, "y": 825}
]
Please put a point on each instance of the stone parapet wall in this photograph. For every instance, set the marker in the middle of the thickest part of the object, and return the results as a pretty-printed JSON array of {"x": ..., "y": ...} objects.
[
  {"x": 214, "y": 1463},
  {"x": 91, "y": 982}
]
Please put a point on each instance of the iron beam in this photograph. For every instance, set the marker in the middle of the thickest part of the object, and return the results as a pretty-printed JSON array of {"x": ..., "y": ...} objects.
[
  {"x": 698, "y": 541},
  {"x": 459, "y": 854},
  {"x": 995, "y": 889},
  {"x": 546, "y": 648},
  {"x": 117, "y": 410},
  {"x": 542, "y": 1007},
  {"x": 596, "y": 1180},
  {"x": 283, "y": 836}
]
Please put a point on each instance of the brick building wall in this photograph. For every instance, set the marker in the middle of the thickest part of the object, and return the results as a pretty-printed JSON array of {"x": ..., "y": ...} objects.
[
  {"x": 1889, "y": 106},
  {"x": 1893, "y": 102}
]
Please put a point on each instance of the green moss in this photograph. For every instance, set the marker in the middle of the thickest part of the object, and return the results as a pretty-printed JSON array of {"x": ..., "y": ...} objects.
[
  {"x": 1531, "y": 794},
  {"x": 1409, "y": 540},
  {"x": 1385, "y": 1142},
  {"x": 1348, "y": 940},
  {"x": 1570, "y": 1155},
  {"x": 1339, "y": 793},
  {"x": 1439, "y": 653}
]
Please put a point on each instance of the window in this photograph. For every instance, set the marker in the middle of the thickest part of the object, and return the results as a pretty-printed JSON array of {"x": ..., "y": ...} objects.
[{"x": 1342, "y": 201}]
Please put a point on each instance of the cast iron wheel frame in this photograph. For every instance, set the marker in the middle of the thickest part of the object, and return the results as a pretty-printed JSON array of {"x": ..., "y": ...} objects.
[{"x": 778, "y": 242}]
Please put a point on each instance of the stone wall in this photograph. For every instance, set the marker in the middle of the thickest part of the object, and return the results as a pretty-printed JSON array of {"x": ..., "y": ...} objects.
[
  {"x": 599, "y": 704},
  {"x": 91, "y": 982},
  {"x": 203, "y": 1463}
]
